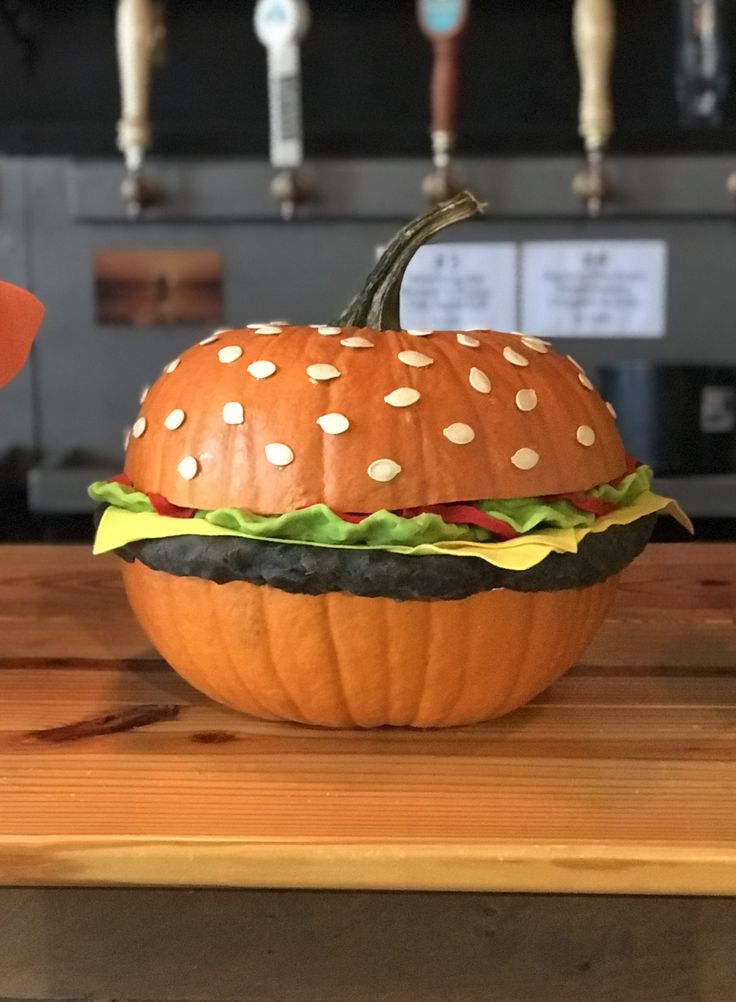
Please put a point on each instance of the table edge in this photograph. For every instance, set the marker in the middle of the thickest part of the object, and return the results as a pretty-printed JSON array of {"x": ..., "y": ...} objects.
[{"x": 553, "y": 867}]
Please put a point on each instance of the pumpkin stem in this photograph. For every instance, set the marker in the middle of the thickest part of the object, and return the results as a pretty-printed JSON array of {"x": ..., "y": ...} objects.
[{"x": 377, "y": 305}]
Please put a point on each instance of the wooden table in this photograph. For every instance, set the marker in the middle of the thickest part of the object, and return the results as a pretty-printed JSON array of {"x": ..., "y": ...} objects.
[{"x": 620, "y": 778}]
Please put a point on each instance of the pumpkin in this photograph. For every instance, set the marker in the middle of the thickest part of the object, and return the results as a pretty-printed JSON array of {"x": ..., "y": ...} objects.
[
  {"x": 20, "y": 317},
  {"x": 342, "y": 660},
  {"x": 534, "y": 402},
  {"x": 325, "y": 524}
]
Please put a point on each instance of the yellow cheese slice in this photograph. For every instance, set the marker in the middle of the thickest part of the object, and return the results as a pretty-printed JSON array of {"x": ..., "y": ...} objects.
[{"x": 118, "y": 527}]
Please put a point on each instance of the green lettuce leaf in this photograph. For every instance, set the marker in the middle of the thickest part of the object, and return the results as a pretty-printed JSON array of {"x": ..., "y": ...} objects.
[{"x": 319, "y": 524}]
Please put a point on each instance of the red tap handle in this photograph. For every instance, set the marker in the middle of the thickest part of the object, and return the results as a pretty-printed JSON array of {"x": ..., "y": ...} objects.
[
  {"x": 444, "y": 24},
  {"x": 445, "y": 83},
  {"x": 20, "y": 317}
]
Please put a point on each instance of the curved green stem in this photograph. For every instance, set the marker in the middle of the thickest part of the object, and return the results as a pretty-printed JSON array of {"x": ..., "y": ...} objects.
[{"x": 377, "y": 305}]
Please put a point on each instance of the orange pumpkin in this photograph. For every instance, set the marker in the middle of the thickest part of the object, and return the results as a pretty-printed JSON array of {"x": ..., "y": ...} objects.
[
  {"x": 342, "y": 660},
  {"x": 20, "y": 316},
  {"x": 283, "y": 407},
  {"x": 362, "y": 416}
]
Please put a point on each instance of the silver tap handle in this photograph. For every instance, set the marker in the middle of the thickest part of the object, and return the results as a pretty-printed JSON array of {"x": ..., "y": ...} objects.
[
  {"x": 280, "y": 26},
  {"x": 285, "y": 106}
]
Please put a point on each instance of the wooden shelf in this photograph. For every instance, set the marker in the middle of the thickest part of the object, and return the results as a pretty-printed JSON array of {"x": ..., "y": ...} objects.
[{"x": 617, "y": 779}]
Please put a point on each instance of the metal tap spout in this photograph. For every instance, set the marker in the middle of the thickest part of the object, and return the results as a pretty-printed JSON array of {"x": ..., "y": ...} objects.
[
  {"x": 593, "y": 184},
  {"x": 139, "y": 192},
  {"x": 289, "y": 188}
]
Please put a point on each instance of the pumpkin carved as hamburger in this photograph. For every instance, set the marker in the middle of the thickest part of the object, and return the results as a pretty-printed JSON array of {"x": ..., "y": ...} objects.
[{"x": 357, "y": 525}]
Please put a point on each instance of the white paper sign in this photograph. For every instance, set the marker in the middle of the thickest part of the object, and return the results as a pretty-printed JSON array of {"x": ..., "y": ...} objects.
[
  {"x": 594, "y": 288},
  {"x": 463, "y": 286}
]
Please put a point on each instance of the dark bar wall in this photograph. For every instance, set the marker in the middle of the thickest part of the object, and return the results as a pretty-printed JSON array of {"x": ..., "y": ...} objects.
[{"x": 366, "y": 67}]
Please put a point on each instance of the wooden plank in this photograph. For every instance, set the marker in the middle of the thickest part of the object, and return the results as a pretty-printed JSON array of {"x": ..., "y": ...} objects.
[
  {"x": 42, "y": 697},
  {"x": 613, "y": 780},
  {"x": 60, "y": 601},
  {"x": 549, "y": 867},
  {"x": 317, "y": 794}
]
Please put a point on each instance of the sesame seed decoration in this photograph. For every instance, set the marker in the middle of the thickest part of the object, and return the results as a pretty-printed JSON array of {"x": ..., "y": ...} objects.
[
  {"x": 404, "y": 396},
  {"x": 230, "y": 353},
  {"x": 526, "y": 400},
  {"x": 467, "y": 340},
  {"x": 514, "y": 357},
  {"x": 585, "y": 381},
  {"x": 139, "y": 427},
  {"x": 261, "y": 369},
  {"x": 126, "y": 437},
  {"x": 333, "y": 424},
  {"x": 188, "y": 468},
  {"x": 357, "y": 342},
  {"x": 525, "y": 459},
  {"x": 479, "y": 380},
  {"x": 585, "y": 435},
  {"x": 321, "y": 372},
  {"x": 254, "y": 327},
  {"x": 144, "y": 394},
  {"x": 577, "y": 365},
  {"x": 233, "y": 413},
  {"x": 415, "y": 359},
  {"x": 459, "y": 433},
  {"x": 328, "y": 331},
  {"x": 418, "y": 333},
  {"x": 611, "y": 410},
  {"x": 278, "y": 454},
  {"x": 175, "y": 419},
  {"x": 268, "y": 329},
  {"x": 209, "y": 340},
  {"x": 383, "y": 470},
  {"x": 172, "y": 366},
  {"x": 535, "y": 344}
]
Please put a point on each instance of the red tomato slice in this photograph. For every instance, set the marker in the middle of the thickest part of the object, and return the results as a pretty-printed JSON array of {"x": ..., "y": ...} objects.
[
  {"x": 593, "y": 505},
  {"x": 467, "y": 514},
  {"x": 164, "y": 507}
]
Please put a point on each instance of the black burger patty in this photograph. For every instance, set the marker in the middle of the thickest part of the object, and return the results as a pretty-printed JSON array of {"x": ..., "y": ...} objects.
[{"x": 314, "y": 570}]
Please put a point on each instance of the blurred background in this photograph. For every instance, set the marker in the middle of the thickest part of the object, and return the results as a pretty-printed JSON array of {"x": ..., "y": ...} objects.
[{"x": 169, "y": 169}]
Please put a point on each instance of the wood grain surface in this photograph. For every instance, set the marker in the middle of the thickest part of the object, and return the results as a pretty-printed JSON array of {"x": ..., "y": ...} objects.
[{"x": 619, "y": 778}]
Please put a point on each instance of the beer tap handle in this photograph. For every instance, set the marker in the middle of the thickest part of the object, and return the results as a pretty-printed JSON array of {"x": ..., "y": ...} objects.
[
  {"x": 281, "y": 25},
  {"x": 443, "y": 22},
  {"x": 594, "y": 38},
  {"x": 444, "y": 97},
  {"x": 140, "y": 38}
]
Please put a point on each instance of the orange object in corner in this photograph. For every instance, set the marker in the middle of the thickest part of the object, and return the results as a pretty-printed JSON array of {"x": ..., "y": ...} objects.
[{"x": 20, "y": 317}]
